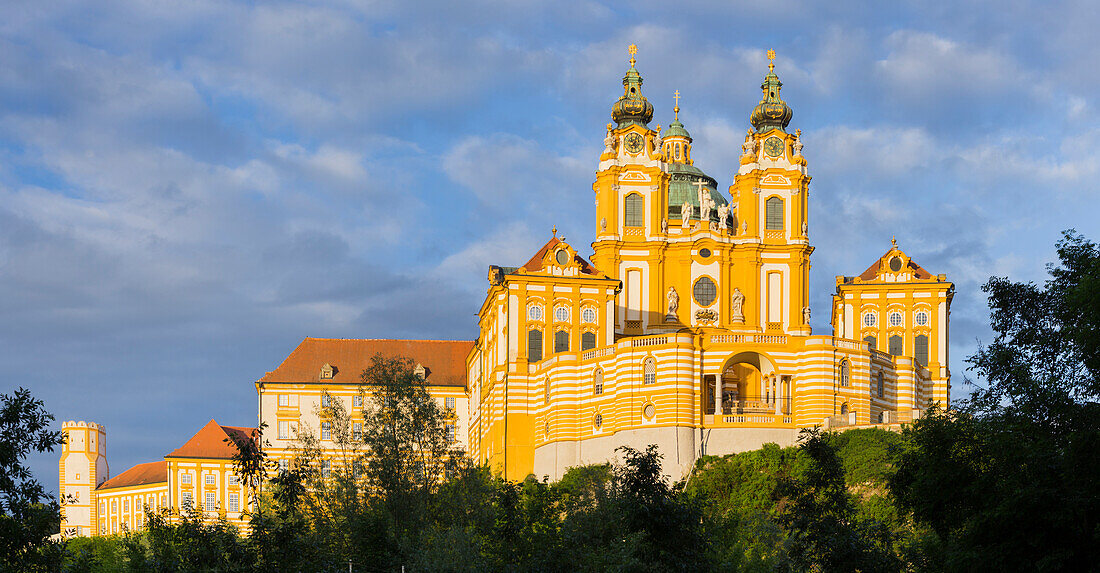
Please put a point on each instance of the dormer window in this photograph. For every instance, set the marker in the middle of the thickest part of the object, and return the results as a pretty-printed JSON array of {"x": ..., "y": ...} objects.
[
  {"x": 421, "y": 372},
  {"x": 327, "y": 372}
]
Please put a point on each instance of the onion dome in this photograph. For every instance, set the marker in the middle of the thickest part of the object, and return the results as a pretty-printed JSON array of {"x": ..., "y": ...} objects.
[
  {"x": 632, "y": 108},
  {"x": 772, "y": 112}
]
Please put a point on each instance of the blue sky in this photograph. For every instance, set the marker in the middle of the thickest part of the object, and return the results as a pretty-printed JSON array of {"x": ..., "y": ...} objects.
[{"x": 187, "y": 189}]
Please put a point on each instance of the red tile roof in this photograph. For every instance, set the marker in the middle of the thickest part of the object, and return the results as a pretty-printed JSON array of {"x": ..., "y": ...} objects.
[
  {"x": 141, "y": 474},
  {"x": 209, "y": 442},
  {"x": 445, "y": 359},
  {"x": 872, "y": 271},
  {"x": 535, "y": 264}
]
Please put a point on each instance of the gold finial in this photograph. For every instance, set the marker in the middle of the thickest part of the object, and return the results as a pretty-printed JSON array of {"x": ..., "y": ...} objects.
[
  {"x": 633, "y": 50},
  {"x": 771, "y": 60},
  {"x": 894, "y": 241},
  {"x": 676, "y": 109},
  {"x": 555, "y": 231}
]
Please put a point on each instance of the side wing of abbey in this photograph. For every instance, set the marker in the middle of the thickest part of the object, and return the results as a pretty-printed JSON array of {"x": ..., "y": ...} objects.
[{"x": 688, "y": 328}]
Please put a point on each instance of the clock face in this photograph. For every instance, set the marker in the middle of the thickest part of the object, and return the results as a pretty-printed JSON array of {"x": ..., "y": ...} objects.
[
  {"x": 634, "y": 143},
  {"x": 773, "y": 146}
]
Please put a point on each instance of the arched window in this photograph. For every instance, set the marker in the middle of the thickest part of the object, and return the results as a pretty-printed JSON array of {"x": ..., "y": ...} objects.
[
  {"x": 881, "y": 385},
  {"x": 634, "y": 211},
  {"x": 649, "y": 370},
  {"x": 534, "y": 345},
  {"x": 881, "y": 417},
  {"x": 844, "y": 409},
  {"x": 561, "y": 341},
  {"x": 588, "y": 340},
  {"x": 774, "y": 216},
  {"x": 546, "y": 389},
  {"x": 677, "y": 151},
  {"x": 872, "y": 341},
  {"x": 920, "y": 349},
  {"x": 598, "y": 421},
  {"x": 895, "y": 345},
  {"x": 845, "y": 373},
  {"x": 597, "y": 382}
]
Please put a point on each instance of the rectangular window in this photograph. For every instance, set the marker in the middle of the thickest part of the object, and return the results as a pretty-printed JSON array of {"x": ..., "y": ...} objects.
[
  {"x": 125, "y": 505},
  {"x": 920, "y": 349},
  {"x": 534, "y": 345},
  {"x": 234, "y": 502},
  {"x": 233, "y": 480},
  {"x": 326, "y": 401},
  {"x": 449, "y": 403},
  {"x": 187, "y": 500},
  {"x": 561, "y": 341},
  {"x": 357, "y": 402},
  {"x": 774, "y": 214},
  {"x": 588, "y": 340},
  {"x": 450, "y": 433},
  {"x": 896, "y": 345},
  {"x": 185, "y": 479},
  {"x": 326, "y": 468},
  {"x": 634, "y": 215},
  {"x": 357, "y": 430},
  {"x": 211, "y": 479},
  {"x": 211, "y": 502},
  {"x": 284, "y": 400},
  {"x": 284, "y": 430},
  {"x": 326, "y": 430},
  {"x": 284, "y": 464}
]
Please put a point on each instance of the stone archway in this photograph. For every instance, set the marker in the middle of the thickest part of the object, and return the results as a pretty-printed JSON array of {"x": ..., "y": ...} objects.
[{"x": 749, "y": 382}]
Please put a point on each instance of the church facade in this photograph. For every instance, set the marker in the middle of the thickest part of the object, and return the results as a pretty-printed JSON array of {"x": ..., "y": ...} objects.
[{"x": 687, "y": 328}]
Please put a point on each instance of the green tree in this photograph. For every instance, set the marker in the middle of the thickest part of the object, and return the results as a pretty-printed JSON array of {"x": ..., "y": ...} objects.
[
  {"x": 1009, "y": 480},
  {"x": 28, "y": 516}
]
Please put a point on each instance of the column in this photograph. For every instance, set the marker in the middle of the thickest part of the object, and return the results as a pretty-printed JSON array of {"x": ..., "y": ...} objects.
[{"x": 717, "y": 397}]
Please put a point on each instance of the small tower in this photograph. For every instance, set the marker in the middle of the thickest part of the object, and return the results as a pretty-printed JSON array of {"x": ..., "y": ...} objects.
[{"x": 82, "y": 468}]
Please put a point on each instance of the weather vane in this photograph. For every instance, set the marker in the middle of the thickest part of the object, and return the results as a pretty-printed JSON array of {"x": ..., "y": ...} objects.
[
  {"x": 633, "y": 50},
  {"x": 676, "y": 108},
  {"x": 771, "y": 60}
]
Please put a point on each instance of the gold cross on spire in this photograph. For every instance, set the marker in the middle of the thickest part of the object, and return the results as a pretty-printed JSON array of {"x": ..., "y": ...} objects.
[
  {"x": 555, "y": 231},
  {"x": 633, "y": 50},
  {"x": 676, "y": 108},
  {"x": 771, "y": 60}
]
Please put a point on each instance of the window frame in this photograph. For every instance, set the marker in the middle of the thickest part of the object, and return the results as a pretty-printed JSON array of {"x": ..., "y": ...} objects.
[
  {"x": 649, "y": 371},
  {"x": 597, "y": 382},
  {"x": 534, "y": 350},
  {"x": 561, "y": 341},
  {"x": 775, "y": 214}
]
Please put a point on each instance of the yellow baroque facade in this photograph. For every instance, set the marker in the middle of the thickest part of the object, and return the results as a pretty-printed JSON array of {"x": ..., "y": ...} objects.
[
  {"x": 690, "y": 327},
  {"x": 199, "y": 473}
]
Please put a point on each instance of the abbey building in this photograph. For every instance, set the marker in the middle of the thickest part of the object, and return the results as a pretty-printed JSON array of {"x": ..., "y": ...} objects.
[{"x": 687, "y": 327}]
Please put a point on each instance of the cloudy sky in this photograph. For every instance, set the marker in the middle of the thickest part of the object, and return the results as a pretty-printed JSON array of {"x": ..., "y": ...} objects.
[{"x": 187, "y": 189}]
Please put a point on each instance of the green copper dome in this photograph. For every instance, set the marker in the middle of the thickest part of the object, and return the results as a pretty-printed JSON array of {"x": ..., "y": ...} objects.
[
  {"x": 683, "y": 187},
  {"x": 772, "y": 112},
  {"x": 632, "y": 108},
  {"x": 676, "y": 129}
]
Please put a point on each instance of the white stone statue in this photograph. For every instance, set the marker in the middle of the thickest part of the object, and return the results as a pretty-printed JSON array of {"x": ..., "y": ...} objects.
[
  {"x": 658, "y": 140},
  {"x": 805, "y": 229},
  {"x": 723, "y": 215},
  {"x": 749, "y": 147},
  {"x": 673, "y": 301},
  {"x": 806, "y": 314},
  {"x": 705, "y": 204},
  {"x": 685, "y": 214},
  {"x": 736, "y": 304},
  {"x": 797, "y": 143},
  {"x": 609, "y": 141},
  {"x": 664, "y": 225},
  {"x": 744, "y": 227}
]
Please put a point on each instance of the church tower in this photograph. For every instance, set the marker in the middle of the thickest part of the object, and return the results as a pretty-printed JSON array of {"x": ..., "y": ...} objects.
[
  {"x": 83, "y": 467},
  {"x": 769, "y": 193}
]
